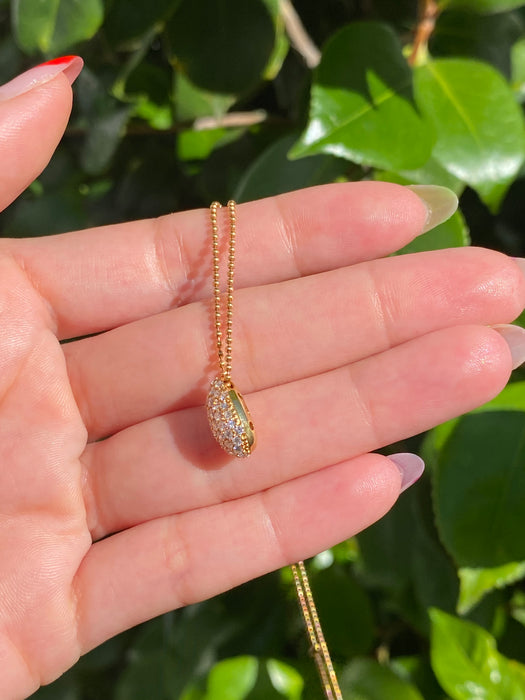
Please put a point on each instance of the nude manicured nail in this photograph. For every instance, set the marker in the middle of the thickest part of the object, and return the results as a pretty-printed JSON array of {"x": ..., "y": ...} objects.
[
  {"x": 520, "y": 262},
  {"x": 411, "y": 467},
  {"x": 70, "y": 66},
  {"x": 515, "y": 338},
  {"x": 440, "y": 202}
]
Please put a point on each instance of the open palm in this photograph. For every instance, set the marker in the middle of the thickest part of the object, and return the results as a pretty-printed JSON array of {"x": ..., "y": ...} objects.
[{"x": 338, "y": 349}]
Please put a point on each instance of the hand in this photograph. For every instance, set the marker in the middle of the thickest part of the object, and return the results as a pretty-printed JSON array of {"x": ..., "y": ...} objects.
[{"x": 338, "y": 350}]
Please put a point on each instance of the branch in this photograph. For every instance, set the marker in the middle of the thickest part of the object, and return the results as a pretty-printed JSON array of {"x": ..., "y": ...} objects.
[
  {"x": 231, "y": 119},
  {"x": 428, "y": 13},
  {"x": 298, "y": 35}
]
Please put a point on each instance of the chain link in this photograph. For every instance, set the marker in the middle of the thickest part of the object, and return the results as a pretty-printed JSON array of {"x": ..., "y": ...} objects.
[
  {"x": 224, "y": 354},
  {"x": 315, "y": 633}
]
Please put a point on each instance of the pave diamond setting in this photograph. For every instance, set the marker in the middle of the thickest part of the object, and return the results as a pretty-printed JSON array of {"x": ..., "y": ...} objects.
[{"x": 230, "y": 421}]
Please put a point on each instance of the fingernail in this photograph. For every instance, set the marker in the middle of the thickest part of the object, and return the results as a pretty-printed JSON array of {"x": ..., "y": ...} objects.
[
  {"x": 70, "y": 66},
  {"x": 520, "y": 262},
  {"x": 515, "y": 337},
  {"x": 440, "y": 202},
  {"x": 411, "y": 467}
]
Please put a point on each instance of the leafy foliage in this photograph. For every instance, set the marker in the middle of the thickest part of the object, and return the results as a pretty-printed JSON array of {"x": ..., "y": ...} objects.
[{"x": 182, "y": 102}]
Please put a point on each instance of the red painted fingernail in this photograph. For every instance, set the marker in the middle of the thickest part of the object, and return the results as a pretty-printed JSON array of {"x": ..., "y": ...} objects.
[{"x": 70, "y": 66}]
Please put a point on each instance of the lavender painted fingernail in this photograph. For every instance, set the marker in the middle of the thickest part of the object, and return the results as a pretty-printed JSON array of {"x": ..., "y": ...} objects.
[
  {"x": 515, "y": 338},
  {"x": 411, "y": 467}
]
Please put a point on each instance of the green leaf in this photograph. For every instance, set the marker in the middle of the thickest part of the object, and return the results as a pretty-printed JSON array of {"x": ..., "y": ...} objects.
[
  {"x": 479, "y": 126},
  {"x": 479, "y": 489},
  {"x": 402, "y": 557},
  {"x": 197, "y": 145},
  {"x": 55, "y": 25},
  {"x": 192, "y": 102},
  {"x": 483, "y": 6},
  {"x": 274, "y": 173},
  {"x": 431, "y": 173},
  {"x": 211, "y": 46},
  {"x": 452, "y": 233},
  {"x": 362, "y": 107},
  {"x": 517, "y": 59},
  {"x": 281, "y": 45},
  {"x": 103, "y": 138},
  {"x": 517, "y": 607},
  {"x": 232, "y": 679},
  {"x": 486, "y": 37},
  {"x": 476, "y": 583},
  {"x": 285, "y": 679},
  {"x": 126, "y": 21},
  {"x": 346, "y": 611},
  {"x": 365, "y": 679},
  {"x": 467, "y": 664}
]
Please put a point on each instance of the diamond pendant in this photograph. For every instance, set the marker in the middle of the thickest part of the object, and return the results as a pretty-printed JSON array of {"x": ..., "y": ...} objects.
[{"x": 229, "y": 419}]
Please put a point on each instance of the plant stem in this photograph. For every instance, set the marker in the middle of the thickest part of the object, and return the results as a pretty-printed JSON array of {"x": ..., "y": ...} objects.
[{"x": 428, "y": 13}]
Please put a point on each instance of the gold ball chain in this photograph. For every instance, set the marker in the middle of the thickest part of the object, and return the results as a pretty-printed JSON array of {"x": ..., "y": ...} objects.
[
  {"x": 232, "y": 427},
  {"x": 225, "y": 357}
]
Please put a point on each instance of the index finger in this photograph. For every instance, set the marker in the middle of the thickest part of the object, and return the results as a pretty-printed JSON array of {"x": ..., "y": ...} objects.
[{"x": 100, "y": 278}]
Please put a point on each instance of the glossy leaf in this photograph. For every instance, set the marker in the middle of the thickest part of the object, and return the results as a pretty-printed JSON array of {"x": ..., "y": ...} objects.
[
  {"x": 517, "y": 59},
  {"x": 488, "y": 6},
  {"x": 362, "y": 107},
  {"x": 397, "y": 554},
  {"x": 479, "y": 127},
  {"x": 488, "y": 38},
  {"x": 274, "y": 173},
  {"x": 476, "y": 583},
  {"x": 479, "y": 489},
  {"x": 452, "y": 233},
  {"x": 431, "y": 173},
  {"x": 517, "y": 607},
  {"x": 197, "y": 145},
  {"x": 285, "y": 679},
  {"x": 467, "y": 664},
  {"x": 232, "y": 679},
  {"x": 55, "y": 25},
  {"x": 192, "y": 102},
  {"x": 103, "y": 138},
  {"x": 346, "y": 611},
  {"x": 220, "y": 37},
  {"x": 281, "y": 45},
  {"x": 127, "y": 20},
  {"x": 365, "y": 679}
]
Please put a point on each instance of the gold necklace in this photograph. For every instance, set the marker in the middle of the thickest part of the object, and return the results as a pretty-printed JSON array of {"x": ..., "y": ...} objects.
[
  {"x": 228, "y": 415},
  {"x": 318, "y": 645},
  {"x": 233, "y": 428}
]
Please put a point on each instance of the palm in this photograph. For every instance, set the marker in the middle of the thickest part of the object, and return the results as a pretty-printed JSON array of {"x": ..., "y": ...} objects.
[
  {"x": 44, "y": 533},
  {"x": 331, "y": 350}
]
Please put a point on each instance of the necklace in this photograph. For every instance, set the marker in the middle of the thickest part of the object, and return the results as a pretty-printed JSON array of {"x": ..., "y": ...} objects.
[
  {"x": 228, "y": 415},
  {"x": 233, "y": 428}
]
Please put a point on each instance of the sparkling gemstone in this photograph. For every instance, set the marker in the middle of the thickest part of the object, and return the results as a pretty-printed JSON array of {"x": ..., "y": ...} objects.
[{"x": 229, "y": 419}]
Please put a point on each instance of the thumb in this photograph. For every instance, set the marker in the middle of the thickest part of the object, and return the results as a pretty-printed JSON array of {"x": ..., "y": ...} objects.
[{"x": 34, "y": 110}]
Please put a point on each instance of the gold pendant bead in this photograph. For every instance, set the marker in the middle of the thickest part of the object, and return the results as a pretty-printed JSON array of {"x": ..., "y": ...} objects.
[{"x": 229, "y": 419}]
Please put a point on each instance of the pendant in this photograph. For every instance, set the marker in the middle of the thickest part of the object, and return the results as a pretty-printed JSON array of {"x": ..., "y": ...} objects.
[{"x": 229, "y": 419}]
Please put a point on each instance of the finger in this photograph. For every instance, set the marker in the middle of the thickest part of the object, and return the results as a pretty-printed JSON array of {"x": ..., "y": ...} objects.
[
  {"x": 190, "y": 557},
  {"x": 101, "y": 278},
  {"x": 34, "y": 110},
  {"x": 287, "y": 331},
  {"x": 172, "y": 464}
]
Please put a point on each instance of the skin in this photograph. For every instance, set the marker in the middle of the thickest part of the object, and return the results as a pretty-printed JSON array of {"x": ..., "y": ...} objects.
[{"x": 338, "y": 351}]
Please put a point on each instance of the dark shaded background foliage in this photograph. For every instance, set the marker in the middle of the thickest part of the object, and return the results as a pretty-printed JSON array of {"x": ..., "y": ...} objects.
[{"x": 185, "y": 101}]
